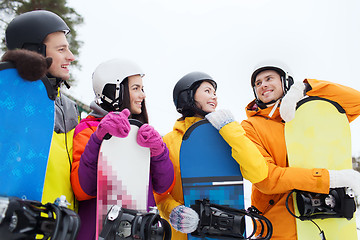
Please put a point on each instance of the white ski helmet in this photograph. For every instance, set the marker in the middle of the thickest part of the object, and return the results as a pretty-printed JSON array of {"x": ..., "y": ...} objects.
[
  {"x": 108, "y": 77},
  {"x": 281, "y": 68},
  {"x": 277, "y": 66}
]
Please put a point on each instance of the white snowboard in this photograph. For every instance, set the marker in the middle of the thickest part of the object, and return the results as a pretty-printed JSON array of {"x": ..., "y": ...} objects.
[{"x": 123, "y": 174}]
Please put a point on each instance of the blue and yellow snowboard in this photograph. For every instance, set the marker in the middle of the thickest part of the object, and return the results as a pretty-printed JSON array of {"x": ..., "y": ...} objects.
[
  {"x": 25, "y": 135},
  {"x": 208, "y": 169},
  {"x": 319, "y": 137}
]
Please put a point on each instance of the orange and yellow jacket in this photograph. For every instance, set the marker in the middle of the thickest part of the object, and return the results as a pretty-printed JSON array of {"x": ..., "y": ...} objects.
[
  {"x": 267, "y": 133},
  {"x": 252, "y": 164}
]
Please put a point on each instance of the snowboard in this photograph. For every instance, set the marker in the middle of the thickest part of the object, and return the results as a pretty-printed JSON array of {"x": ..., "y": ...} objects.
[
  {"x": 25, "y": 135},
  {"x": 319, "y": 137},
  {"x": 123, "y": 175},
  {"x": 208, "y": 169}
]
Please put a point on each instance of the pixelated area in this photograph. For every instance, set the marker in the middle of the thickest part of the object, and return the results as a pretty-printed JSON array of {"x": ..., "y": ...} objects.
[
  {"x": 230, "y": 195},
  {"x": 112, "y": 190},
  {"x": 123, "y": 175}
]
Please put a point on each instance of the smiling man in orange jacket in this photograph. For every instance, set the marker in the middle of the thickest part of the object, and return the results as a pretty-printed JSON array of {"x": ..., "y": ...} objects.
[{"x": 265, "y": 127}]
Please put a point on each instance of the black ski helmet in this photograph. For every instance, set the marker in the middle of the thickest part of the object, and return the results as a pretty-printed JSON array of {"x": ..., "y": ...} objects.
[
  {"x": 279, "y": 67},
  {"x": 184, "y": 90},
  {"x": 30, "y": 29}
]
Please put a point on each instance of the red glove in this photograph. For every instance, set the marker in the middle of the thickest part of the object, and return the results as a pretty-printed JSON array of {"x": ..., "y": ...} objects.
[
  {"x": 115, "y": 123},
  {"x": 148, "y": 137}
]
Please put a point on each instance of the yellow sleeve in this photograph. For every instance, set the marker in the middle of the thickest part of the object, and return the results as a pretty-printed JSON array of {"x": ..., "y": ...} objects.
[
  {"x": 165, "y": 204},
  {"x": 253, "y": 166}
]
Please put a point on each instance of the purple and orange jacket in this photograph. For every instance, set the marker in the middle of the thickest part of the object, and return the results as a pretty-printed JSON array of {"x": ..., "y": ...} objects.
[{"x": 86, "y": 148}]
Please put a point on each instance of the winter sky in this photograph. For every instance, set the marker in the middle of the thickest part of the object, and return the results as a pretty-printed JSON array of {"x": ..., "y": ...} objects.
[{"x": 224, "y": 38}]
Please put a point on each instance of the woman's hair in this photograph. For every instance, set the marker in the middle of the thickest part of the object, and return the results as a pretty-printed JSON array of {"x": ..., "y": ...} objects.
[
  {"x": 125, "y": 101},
  {"x": 192, "y": 109},
  {"x": 143, "y": 116}
]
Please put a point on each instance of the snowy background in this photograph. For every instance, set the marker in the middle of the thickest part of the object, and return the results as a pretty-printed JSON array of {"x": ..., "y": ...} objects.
[{"x": 224, "y": 38}]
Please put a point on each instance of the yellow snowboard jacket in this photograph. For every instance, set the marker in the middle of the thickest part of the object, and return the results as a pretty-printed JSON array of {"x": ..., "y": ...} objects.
[
  {"x": 57, "y": 177},
  {"x": 268, "y": 135},
  {"x": 252, "y": 164}
]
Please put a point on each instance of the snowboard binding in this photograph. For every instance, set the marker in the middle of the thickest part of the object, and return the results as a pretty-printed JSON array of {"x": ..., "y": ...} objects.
[
  {"x": 222, "y": 222},
  {"x": 339, "y": 203},
  {"x": 121, "y": 223},
  {"x": 27, "y": 219}
]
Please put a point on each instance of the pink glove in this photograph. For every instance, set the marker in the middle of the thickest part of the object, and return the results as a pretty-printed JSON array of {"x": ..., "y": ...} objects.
[
  {"x": 115, "y": 123},
  {"x": 148, "y": 137}
]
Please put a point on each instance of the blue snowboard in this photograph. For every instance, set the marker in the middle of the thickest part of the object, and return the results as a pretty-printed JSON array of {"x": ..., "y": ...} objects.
[
  {"x": 27, "y": 124},
  {"x": 208, "y": 169}
]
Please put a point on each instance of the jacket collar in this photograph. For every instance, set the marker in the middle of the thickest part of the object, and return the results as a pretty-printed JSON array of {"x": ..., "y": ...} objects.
[
  {"x": 97, "y": 111},
  {"x": 253, "y": 110},
  {"x": 183, "y": 125}
]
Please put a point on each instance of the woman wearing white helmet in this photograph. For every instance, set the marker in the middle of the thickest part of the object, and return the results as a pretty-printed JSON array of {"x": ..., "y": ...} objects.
[{"x": 119, "y": 95}]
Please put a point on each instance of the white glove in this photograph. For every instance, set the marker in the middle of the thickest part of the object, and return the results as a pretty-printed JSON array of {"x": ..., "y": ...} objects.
[
  {"x": 288, "y": 103},
  {"x": 345, "y": 178},
  {"x": 220, "y": 118},
  {"x": 184, "y": 219}
]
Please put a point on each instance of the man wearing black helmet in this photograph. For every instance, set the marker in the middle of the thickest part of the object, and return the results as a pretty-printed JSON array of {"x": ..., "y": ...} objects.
[
  {"x": 195, "y": 98},
  {"x": 276, "y": 95},
  {"x": 45, "y": 33}
]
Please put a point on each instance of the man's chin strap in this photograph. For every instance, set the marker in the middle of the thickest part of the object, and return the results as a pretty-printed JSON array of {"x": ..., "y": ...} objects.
[
  {"x": 56, "y": 82},
  {"x": 263, "y": 105},
  {"x": 274, "y": 107},
  {"x": 274, "y": 103}
]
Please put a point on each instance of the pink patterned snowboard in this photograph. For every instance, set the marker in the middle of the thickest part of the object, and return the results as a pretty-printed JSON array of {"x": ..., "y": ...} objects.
[{"x": 123, "y": 175}]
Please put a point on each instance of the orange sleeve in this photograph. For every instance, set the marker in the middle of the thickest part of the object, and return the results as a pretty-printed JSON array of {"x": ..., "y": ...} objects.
[
  {"x": 347, "y": 97},
  {"x": 282, "y": 178},
  {"x": 81, "y": 137}
]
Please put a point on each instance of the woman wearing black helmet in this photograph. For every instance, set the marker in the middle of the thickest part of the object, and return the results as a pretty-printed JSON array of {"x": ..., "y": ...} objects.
[{"x": 195, "y": 98}]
